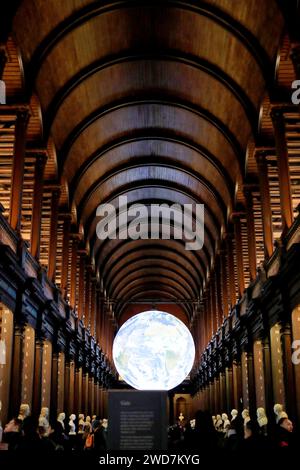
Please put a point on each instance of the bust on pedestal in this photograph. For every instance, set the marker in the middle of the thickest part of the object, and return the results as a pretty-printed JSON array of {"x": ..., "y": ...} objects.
[
  {"x": 279, "y": 413},
  {"x": 24, "y": 411},
  {"x": 219, "y": 423},
  {"x": 262, "y": 421},
  {"x": 226, "y": 422},
  {"x": 81, "y": 423},
  {"x": 72, "y": 427},
  {"x": 61, "y": 418},
  {"x": 234, "y": 414},
  {"x": 246, "y": 416},
  {"x": 43, "y": 421},
  {"x": 88, "y": 425}
]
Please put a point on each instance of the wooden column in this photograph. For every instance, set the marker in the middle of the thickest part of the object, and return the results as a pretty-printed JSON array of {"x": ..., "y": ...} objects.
[
  {"x": 288, "y": 372},
  {"x": 214, "y": 323},
  {"x": 211, "y": 397},
  {"x": 40, "y": 163},
  {"x": 85, "y": 392},
  {"x": 65, "y": 255},
  {"x": 208, "y": 316},
  {"x": 204, "y": 326},
  {"x": 78, "y": 391},
  {"x": 95, "y": 407},
  {"x": 67, "y": 407},
  {"x": 18, "y": 169},
  {"x": 251, "y": 383},
  {"x": 268, "y": 376},
  {"x": 200, "y": 330},
  {"x": 108, "y": 331},
  {"x": 102, "y": 323},
  {"x": 198, "y": 335},
  {"x": 237, "y": 383},
  {"x": 229, "y": 389},
  {"x": 99, "y": 316},
  {"x": 222, "y": 392},
  {"x": 96, "y": 411},
  {"x": 87, "y": 315},
  {"x": 93, "y": 306},
  {"x": 239, "y": 253},
  {"x": 283, "y": 169},
  {"x": 53, "y": 234},
  {"x": 101, "y": 412},
  {"x": 230, "y": 267},
  {"x": 224, "y": 277},
  {"x": 17, "y": 367},
  {"x": 72, "y": 383},
  {"x": 81, "y": 286},
  {"x": 265, "y": 200},
  {"x": 73, "y": 277},
  {"x": 91, "y": 396},
  {"x": 112, "y": 334},
  {"x": 217, "y": 395},
  {"x": 37, "y": 377},
  {"x": 219, "y": 306},
  {"x": 61, "y": 382},
  {"x": 54, "y": 384},
  {"x": 250, "y": 233},
  {"x": 106, "y": 328}
]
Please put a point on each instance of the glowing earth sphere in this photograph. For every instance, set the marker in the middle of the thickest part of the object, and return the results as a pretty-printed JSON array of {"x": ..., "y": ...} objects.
[{"x": 153, "y": 351}]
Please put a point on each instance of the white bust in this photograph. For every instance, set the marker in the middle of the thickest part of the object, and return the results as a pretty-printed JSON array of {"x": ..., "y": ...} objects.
[
  {"x": 261, "y": 417},
  {"x": 87, "y": 424},
  {"x": 105, "y": 423},
  {"x": 225, "y": 421},
  {"x": 72, "y": 431},
  {"x": 219, "y": 423},
  {"x": 181, "y": 417},
  {"x": 246, "y": 416},
  {"x": 61, "y": 418},
  {"x": 234, "y": 414},
  {"x": 24, "y": 411},
  {"x": 43, "y": 419},
  {"x": 81, "y": 423},
  {"x": 192, "y": 423},
  {"x": 279, "y": 413}
]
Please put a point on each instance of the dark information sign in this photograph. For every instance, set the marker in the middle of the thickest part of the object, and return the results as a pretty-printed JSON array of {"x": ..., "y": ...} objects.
[{"x": 137, "y": 420}]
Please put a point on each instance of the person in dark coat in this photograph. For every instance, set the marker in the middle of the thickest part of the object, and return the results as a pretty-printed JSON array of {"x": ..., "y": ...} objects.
[
  {"x": 204, "y": 437},
  {"x": 31, "y": 443},
  {"x": 12, "y": 433},
  {"x": 285, "y": 438},
  {"x": 100, "y": 438}
]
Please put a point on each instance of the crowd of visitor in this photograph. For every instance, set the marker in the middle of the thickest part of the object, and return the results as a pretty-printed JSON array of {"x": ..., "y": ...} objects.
[
  {"x": 245, "y": 434},
  {"x": 204, "y": 435}
]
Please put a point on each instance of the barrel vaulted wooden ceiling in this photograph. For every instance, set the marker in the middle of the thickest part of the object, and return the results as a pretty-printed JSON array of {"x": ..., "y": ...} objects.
[{"x": 155, "y": 100}]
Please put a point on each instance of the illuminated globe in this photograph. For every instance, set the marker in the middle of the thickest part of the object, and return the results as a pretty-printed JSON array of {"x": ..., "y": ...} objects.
[{"x": 153, "y": 351}]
